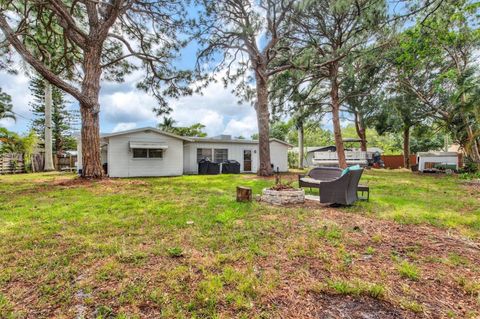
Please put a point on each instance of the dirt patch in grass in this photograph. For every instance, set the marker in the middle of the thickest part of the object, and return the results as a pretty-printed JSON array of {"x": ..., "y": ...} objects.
[
  {"x": 285, "y": 177},
  {"x": 104, "y": 185},
  {"x": 106, "y": 182},
  {"x": 330, "y": 306},
  {"x": 361, "y": 256},
  {"x": 472, "y": 188},
  {"x": 335, "y": 306}
]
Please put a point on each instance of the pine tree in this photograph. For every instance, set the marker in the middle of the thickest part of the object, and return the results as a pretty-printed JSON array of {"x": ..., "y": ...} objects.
[{"x": 63, "y": 120}]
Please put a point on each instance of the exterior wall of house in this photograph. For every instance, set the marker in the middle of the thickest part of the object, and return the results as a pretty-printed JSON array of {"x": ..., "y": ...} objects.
[
  {"x": 279, "y": 156},
  {"x": 235, "y": 152},
  {"x": 187, "y": 158},
  {"x": 122, "y": 164}
]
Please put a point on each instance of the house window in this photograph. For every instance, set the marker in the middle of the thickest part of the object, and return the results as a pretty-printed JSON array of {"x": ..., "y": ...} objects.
[
  {"x": 221, "y": 155},
  {"x": 155, "y": 153},
  {"x": 147, "y": 153},
  {"x": 140, "y": 153},
  {"x": 204, "y": 153}
]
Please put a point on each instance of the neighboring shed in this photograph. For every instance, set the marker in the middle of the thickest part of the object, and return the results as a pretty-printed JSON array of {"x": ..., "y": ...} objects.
[{"x": 433, "y": 161}]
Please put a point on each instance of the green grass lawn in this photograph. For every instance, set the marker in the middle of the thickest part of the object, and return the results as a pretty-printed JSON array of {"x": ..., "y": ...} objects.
[{"x": 182, "y": 247}]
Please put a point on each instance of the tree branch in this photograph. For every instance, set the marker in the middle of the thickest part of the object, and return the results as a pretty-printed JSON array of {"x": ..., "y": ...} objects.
[{"x": 36, "y": 64}]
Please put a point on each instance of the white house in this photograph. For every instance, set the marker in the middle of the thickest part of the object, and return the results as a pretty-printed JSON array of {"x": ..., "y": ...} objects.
[{"x": 152, "y": 152}]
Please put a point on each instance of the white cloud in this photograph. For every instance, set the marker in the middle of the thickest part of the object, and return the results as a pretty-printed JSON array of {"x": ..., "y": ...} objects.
[
  {"x": 124, "y": 127},
  {"x": 245, "y": 127},
  {"x": 217, "y": 108},
  {"x": 130, "y": 106},
  {"x": 8, "y": 123},
  {"x": 17, "y": 87}
]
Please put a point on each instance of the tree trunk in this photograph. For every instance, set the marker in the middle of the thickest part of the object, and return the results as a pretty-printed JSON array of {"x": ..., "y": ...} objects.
[
  {"x": 48, "y": 128},
  {"x": 300, "y": 144},
  {"x": 361, "y": 132},
  {"x": 337, "y": 129},
  {"x": 58, "y": 146},
  {"x": 473, "y": 150},
  {"x": 263, "y": 117},
  {"x": 92, "y": 166},
  {"x": 473, "y": 147},
  {"x": 406, "y": 147}
]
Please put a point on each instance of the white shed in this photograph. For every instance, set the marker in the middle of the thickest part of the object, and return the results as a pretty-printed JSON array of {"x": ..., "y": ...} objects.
[{"x": 431, "y": 161}]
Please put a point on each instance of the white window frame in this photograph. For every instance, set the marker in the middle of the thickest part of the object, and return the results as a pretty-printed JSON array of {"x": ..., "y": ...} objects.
[{"x": 148, "y": 154}]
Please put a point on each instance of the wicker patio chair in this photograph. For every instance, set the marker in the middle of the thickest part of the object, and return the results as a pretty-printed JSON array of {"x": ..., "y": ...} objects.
[{"x": 342, "y": 190}]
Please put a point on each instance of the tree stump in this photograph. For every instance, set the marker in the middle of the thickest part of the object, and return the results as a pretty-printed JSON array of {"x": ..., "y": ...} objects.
[{"x": 244, "y": 194}]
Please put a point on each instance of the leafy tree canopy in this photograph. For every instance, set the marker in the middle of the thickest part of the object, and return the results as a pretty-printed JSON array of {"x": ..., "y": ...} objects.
[
  {"x": 195, "y": 130},
  {"x": 6, "y": 106}
]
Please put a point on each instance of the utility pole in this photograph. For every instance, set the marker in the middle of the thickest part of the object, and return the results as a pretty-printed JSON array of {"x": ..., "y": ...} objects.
[{"x": 48, "y": 127}]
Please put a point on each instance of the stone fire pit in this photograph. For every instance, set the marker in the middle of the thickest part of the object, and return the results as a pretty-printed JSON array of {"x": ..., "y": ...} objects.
[{"x": 284, "y": 196}]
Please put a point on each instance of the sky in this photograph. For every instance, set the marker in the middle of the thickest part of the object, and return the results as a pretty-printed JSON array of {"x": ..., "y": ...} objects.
[{"x": 123, "y": 106}]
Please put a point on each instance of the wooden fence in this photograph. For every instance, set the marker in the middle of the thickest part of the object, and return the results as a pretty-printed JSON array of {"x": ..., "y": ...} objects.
[
  {"x": 396, "y": 161},
  {"x": 14, "y": 163},
  {"x": 11, "y": 164},
  {"x": 38, "y": 162},
  {"x": 65, "y": 163}
]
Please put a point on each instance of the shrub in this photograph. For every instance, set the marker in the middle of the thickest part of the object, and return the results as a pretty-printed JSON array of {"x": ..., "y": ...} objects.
[
  {"x": 470, "y": 166},
  {"x": 292, "y": 160}
]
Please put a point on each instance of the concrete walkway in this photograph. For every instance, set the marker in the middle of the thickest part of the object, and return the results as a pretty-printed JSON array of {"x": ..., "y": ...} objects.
[{"x": 315, "y": 198}]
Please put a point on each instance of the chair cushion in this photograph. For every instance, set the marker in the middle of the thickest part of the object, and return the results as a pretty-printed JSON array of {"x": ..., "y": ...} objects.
[
  {"x": 345, "y": 171},
  {"x": 316, "y": 181},
  {"x": 351, "y": 168},
  {"x": 310, "y": 180}
]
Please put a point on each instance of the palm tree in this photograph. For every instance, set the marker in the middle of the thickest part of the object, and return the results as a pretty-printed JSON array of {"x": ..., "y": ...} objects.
[
  {"x": 6, "y": 106},
  {"x": 168, "y": 124}
]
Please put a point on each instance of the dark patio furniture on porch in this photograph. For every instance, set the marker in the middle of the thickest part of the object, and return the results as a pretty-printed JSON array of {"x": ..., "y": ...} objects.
[{"x": 334, "y": 188}]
